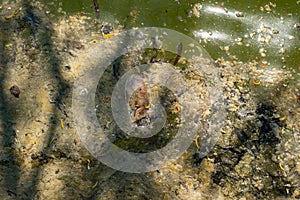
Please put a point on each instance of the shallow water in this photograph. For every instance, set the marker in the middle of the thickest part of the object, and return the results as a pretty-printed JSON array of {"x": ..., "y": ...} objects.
[
  {"x": 257, "y": 154},
  {"x": 243, "y": 27}
]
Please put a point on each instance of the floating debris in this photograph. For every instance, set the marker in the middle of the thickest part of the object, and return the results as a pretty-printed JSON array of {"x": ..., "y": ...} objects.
[
  {"x": 93, "y": 41},
  {"x": 256, "y": 82},
  {"x": 178, "y": 55},
  {"x": 14, "y": 90},
  {"x": 97, "y": 10},
  {"x": 264, "y": 64},
  {"x": 196, "y": 142},
  {"x": 195, "y": 10},
  {"x": 88, "y": 164},
  {"x": 239, "y": 14},
  {"x": 137, "y": 98},
  {"x": 297, "y": 26},
  {"x": 106, "y": 29},
  {"x": 13, "y": 14},
  {"x": 275, "y": 31},
  {"x": 239, "y": 41},
  {"x": 268, "y": 8},
  {"x": 107, "y": 36},
  {"x": 282, "y": 50},
  {"x": 52, "y": 140},
  {"x": 95, "y": 185},
  {"x": 62, "y": 124},
  {"x": 177, "y": 108}
]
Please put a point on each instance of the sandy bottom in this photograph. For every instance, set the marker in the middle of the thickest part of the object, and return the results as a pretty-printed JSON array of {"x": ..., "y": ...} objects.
[{"x": 42, "y": 157}]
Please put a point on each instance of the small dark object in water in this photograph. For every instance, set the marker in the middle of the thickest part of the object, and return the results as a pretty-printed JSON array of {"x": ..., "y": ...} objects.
[
  {"x": 197, "y": 159},
  {"x": 14, "y": 90},
  {"x": 153, "y": 58},
  {"x": 106, "y": 29},
  {"x": 178, "y": 55},
  {"x": 116, "y": 67},
  {"x": 31, "y": 19},
  {"x": 297, "y": 26},
  {"x": 155, "y": 49},
  {"x": 298, "y": 97},
  {"x": 96, "y": 6}
]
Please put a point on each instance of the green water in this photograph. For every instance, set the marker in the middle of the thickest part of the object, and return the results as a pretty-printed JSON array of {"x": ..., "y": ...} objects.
[{"x": 217, "y": 26}]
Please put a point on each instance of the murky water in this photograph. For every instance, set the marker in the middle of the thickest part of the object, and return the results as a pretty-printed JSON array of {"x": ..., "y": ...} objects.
[
  {"x": 266, "y": 31},
  {"x": 43, "y": 52}
]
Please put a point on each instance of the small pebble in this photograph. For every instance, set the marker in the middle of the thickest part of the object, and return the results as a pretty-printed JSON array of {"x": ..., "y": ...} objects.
[
  {"x": 14, "y": 90},
  {"x": 275, "y": 31},
  {"x": 106, "y": 29},
  {"x": 239, "y": 14}
]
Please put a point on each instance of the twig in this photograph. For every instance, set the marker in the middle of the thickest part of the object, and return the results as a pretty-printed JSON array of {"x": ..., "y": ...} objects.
[{"x": 96, "y": 6}]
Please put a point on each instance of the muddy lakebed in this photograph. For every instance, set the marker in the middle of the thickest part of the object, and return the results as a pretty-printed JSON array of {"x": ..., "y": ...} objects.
[{"x": 42, "y": 156}]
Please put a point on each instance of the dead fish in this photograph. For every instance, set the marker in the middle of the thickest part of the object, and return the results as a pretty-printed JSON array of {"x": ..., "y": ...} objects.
[
  {"x": 14, "y": 90},
  {"x": 137, "y": 97}
]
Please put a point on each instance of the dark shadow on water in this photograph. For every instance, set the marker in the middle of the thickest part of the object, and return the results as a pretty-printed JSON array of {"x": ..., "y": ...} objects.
[
  {"x": 41, "y": 36},
  {"x": 257, "y": 138},
  {"x": 128, "y": 186},
  {"x": 123, "y": 185},
  {"x": 8, "y": 163}
]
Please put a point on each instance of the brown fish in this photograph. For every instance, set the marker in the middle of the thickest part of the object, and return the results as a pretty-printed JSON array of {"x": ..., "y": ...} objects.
[{"x": 137, "y": 97}]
